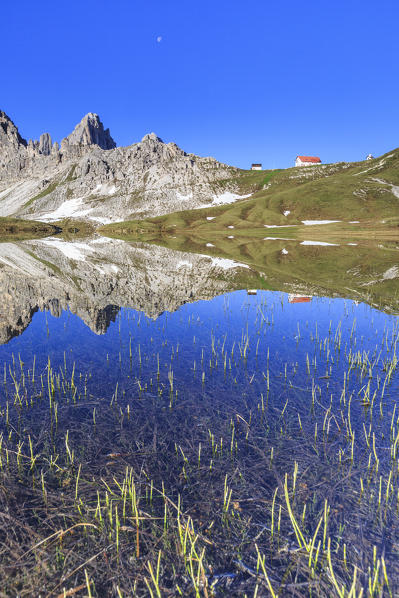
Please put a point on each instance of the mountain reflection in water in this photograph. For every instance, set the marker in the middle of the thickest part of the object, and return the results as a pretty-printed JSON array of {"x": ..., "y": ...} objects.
[
  {"x": 93, "y": 278},
  {"x": 195, "y": 374}
]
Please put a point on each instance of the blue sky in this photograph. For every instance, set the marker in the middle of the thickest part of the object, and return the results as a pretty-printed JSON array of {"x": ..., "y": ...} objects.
[{"x": 254, "y": 81}]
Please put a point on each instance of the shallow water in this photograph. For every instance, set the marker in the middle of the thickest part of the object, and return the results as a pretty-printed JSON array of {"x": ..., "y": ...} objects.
[
  {"x": 296, "y": 342},
  {"x": 235, "y": 345},
  {"x": 316, "y": 373}
]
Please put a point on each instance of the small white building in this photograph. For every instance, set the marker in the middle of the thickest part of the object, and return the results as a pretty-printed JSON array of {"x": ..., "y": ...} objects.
[
  {"x": 307, "y": 160},
  {"x": 256, "y": 167},
  {"x": 370, "y": 157}
]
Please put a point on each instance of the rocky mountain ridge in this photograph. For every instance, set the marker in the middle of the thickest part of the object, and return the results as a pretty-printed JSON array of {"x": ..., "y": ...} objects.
[
  {"x": 88, "y": 176},
  {"x": 89, "y": 132}
]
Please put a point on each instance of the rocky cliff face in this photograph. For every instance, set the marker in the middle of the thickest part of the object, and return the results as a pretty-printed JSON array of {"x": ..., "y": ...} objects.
[
  {"x": 90, "y": 131},
  {"x": 89, "y": 177},
  {"x": 9, "y": 136},
  {"x": 94, "y": 278},
  {"x": 13, "y": 149}
]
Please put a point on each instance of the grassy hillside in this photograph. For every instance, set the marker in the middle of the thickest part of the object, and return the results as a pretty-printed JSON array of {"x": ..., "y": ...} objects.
[
  {"x": 367, "y": 272},
  {"x": 17, "y": 229},
  {"x": 364, "y": 191}
]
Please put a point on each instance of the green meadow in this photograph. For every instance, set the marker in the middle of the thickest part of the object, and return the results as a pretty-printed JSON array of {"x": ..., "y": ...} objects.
[{"x": 364, "y": 192}]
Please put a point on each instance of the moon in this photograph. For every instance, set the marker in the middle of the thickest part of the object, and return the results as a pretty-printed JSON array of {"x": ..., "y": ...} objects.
[{"x": 159, "y": 39}]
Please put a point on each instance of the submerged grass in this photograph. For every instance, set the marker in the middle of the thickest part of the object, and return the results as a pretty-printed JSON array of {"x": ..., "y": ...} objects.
[{"x": 165, "y": 490}]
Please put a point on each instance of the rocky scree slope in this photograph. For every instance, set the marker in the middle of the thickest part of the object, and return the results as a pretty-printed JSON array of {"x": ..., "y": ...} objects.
[{"x": 88, "y": 177}]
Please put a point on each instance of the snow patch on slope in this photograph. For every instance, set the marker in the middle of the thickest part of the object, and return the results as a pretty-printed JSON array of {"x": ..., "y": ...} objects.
[
  {"x": 184, "y": 264},
  {"x": 315, "y": 222},
  {"x": 226, "y": 264},
  {"x": 391, "y": 273},
  {"x": 105, "y": 189},
  {"x": 68, "y": 209},
  {"x": 182, "y": 197},
  {"x": 319, "y": 243},
  {"x": 73, "y": 251},
  {"x": 227, "y": 197}
]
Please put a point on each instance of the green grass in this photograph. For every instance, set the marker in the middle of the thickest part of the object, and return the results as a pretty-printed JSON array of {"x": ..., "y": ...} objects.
[
  {"x": 162, "y": 486},
  {"x": 71, "y": 173},
  {"x": 16, "y": 229},
  {"x": 339, "y": 270},
  {"x": 43, "y": 193},
  {"x": 19, "y": 230},
  {"x": 330, "y": 192},
  {"x": 71, "y": 228}
]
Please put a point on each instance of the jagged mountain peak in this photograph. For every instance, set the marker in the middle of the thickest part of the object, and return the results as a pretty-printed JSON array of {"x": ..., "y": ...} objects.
[
  {"x": 90, "y": 131},
  {"x": 151, "y": 137},
  {"x": 4, "y": 116},
  {"x": 49, "y": 182},
  {"x": 9, "y": 134},
  {"x": 92, "y": 116}
]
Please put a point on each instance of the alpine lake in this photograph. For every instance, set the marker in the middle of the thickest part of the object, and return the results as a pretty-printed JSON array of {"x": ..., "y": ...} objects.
[{"x": 178, "y": 420}]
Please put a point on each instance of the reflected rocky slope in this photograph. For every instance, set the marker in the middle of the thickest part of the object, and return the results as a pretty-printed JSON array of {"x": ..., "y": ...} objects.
[
  {"x": 94, "y": 278},
  {"x": 365, "y": 270}
]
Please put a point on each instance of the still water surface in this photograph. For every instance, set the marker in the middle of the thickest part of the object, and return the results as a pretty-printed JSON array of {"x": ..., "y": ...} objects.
[
  {"x": 316, "y": 376},
  {"x": 234, "y": 339}
]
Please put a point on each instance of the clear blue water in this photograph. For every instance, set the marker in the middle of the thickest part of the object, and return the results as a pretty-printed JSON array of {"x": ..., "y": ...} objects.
[
  {"x": 307, "y": 389},
  {"x": 235, "y": 344}
]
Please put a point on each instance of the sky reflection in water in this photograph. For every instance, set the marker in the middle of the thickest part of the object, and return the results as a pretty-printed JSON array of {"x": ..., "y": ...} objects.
[{"x": 235, "y": 344}]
